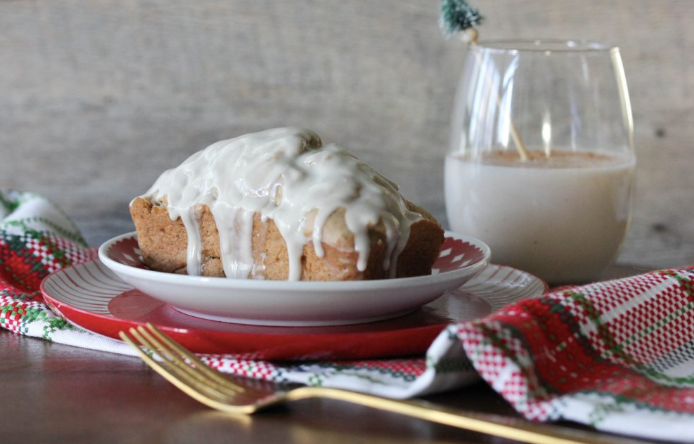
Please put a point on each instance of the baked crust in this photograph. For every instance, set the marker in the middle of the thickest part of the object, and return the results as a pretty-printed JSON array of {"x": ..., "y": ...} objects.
[{"x": 164, "y": 241}]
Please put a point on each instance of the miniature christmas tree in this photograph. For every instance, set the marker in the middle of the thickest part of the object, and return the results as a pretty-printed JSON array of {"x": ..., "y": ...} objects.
[{"x": 457, "y": 16}]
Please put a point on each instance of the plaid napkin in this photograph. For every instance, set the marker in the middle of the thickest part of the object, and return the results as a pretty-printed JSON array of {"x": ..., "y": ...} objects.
[{"x": 617, "y": 355}]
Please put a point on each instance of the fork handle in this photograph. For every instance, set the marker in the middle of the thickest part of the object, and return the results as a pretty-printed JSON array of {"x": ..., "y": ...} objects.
[{"x": 511, "y": 428}]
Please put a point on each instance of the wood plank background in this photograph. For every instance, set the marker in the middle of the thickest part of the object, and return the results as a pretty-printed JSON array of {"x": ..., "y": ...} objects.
[{"x": 97, "y": 98}]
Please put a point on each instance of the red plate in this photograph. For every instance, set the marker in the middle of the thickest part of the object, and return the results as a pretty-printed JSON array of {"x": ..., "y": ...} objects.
[{"x": 90, "y": 296}]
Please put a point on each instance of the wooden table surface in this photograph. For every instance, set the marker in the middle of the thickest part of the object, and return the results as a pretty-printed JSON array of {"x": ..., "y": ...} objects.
[{"x": 60, "y": 394}]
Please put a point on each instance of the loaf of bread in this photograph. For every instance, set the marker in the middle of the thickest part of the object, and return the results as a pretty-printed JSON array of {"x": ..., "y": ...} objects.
[{"x": 278, "y": 205}]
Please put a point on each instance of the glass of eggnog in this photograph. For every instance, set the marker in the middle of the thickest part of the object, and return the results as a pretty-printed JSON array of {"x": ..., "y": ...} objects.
[{"x": 541, "y": 159}]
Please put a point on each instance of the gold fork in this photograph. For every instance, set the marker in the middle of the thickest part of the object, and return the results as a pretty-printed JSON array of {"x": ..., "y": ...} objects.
[{"x": 232, "y": 395}]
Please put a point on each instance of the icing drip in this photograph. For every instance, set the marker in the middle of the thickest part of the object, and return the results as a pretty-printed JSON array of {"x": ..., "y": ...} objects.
[
  {"x": 286, "y": 175},
  {"x": 190, "y": 218}
]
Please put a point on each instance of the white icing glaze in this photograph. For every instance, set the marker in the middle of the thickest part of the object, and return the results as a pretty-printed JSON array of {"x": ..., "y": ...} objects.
[{"x": 286, "y": 175}]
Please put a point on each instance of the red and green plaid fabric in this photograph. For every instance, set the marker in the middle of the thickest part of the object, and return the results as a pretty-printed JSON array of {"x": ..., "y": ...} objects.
[{"x": 618, "y": 355}]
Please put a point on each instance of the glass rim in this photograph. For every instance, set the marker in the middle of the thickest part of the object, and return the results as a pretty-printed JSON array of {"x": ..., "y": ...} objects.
[{"x": 543, "y": 46}]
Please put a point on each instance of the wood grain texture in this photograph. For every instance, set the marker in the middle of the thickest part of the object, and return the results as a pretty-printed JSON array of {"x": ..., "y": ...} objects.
[
  {"x": 66, "y": 395},
  {"x": 97, "y": 98},
  {"x": 55, "y": 394}
]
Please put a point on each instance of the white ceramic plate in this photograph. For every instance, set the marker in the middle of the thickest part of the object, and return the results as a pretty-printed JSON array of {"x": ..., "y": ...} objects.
[
  {"x": 285, "y": 303},
  {"x": 92, "y": 297}
]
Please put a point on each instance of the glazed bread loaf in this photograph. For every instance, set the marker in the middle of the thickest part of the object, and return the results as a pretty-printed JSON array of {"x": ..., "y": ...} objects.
[
  {"x": 163, "y": 243},
  {"x": 278, "y": 205}
]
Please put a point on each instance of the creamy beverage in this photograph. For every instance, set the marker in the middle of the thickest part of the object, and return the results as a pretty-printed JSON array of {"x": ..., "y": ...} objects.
[{"x": 561, "y": 218}]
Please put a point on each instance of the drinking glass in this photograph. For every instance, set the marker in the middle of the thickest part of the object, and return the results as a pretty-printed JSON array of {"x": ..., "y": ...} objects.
[{"x": 541, "y": 159}]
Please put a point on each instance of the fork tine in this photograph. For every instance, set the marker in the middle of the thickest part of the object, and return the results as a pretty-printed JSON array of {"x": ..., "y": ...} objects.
[
  {"x": 176, "y": 371},
  {"x": 176, "y": 365},
  {"x": 172, "y": 374},
  {"x": 202, "y": 367},
  {"x": 232, "y": 385}
]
